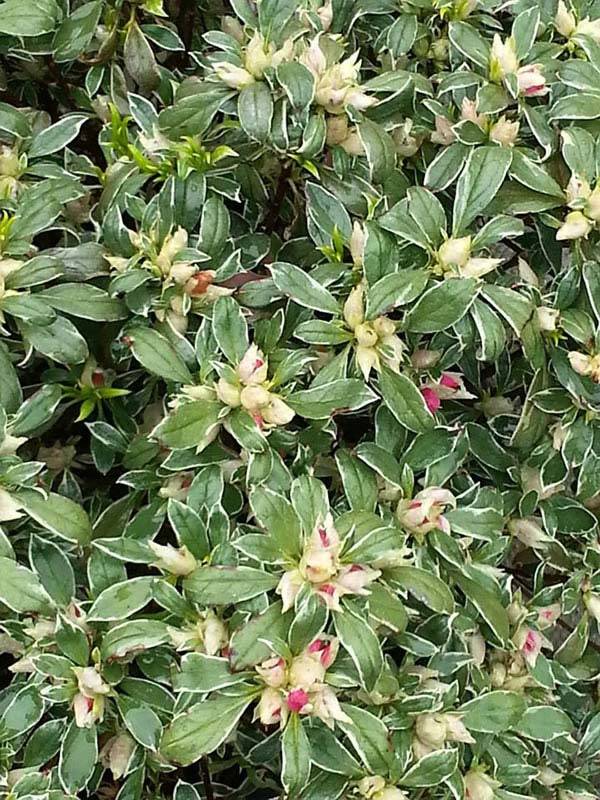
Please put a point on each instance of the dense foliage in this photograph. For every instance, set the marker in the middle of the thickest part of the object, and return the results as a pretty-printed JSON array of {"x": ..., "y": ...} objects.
[{"x": 299, "y": 399}]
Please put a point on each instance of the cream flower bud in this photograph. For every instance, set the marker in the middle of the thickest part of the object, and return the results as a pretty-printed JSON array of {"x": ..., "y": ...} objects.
[
  {"x": 456, "y": 730},
  {"x": 564, "y": 20},
  {"x": 431, "y": 730},
  {"x": 371, "y": 784},
  {"x": 288, "y": 587},
  {"x": 352, "y": 144},
  {"x": 580, "y": 362},
  {"x": 257, "y": 58},
  {"x": 592, "y": 207},
  {"x": 479, "y": 786},
  {"x": 182, "y": 271},
  {"x": 575, "y": 226},
  {"x": 305, "y": 671},
  {"x": 254, "y": 397},
  {"x": 454, "y": 252},
  {"x": 365, "y": 335},
  {"x": 357, "y": 243},
  {"x": 424, "y": 359},
  {"x": 547, "y": 318},
  {"x": 531, "y": 81},
  {"x": 354, "y": 312},
  {"x": 578, "y": 188},
  {"x": 498, "y": 674},
  {"x": 477, "y": 267},
  {"x": 253, "y": 367},
  {"x": 9, "y": 162},
  {"x": 177, "y": 561},
  {"x": 228, "y": 393},
  {"x": 503, "y": 58},
  {"x": 273, "y": 672},
  {"x": 504, "y": 132},
  {"x": 325, "y": 14},
  {"x": 270, "y": 707},
  {"x": 589, "y": 27},
  {"x": 232, "y": 76},
  {"x": 277, "y": 412},
  {"x": 390, "y": 793},
  {"x": 528, "y": 531},
  {"x": 87, "y": 710},
  {"x": 477, "y": 648},
  {"x": 592, "y": 603},
  {"x": 214, "y": 634},
  {"x": 443, "y": 133}
]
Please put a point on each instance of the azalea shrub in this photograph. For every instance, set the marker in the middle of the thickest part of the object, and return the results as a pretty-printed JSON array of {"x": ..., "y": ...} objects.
[{"x": 299, "y": 399}]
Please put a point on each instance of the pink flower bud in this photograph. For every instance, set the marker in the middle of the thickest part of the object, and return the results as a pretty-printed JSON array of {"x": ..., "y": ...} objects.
[{"x": 297, "y": 700}]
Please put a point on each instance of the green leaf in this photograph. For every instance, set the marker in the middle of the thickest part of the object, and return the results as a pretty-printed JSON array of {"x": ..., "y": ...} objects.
[
  {"x": 76, "y": 31},
  {"x": 379, "y": 148},
  {"x": 319, "y": 402},
  {"x": 121, "y": 600},
  {"x": 255, "y": 110},
  {"x": 60, "y": 341},
  {"x": 85, "y": 301},
  {"x": 230, "y": 329},
  {"x": 188, "y": 424},
  {"x": 369, "y": 737},
  {"x": 494, "y": 712},
  {"x": 425, "y": 586},
  {"x": 544, "y": 723},
  {"x": 28, "y": 17},
  {"x": 295, "y": 756},
  {"x": 156, "y": 354},
  {"x": 303, "y": 288},
  {"x": 202, "y": 728},
  {"x": 277, "y": 515},
  {"x": 134, "y": 636},
  {"x": 395, "y": 290},
  {"x": 360, "y": 641},
  {"x": 58, "y": 514},
  {"x": 488, "y": 605},
  {"x": 11, "y": 395},
  {"x": 54, "y": 570},
  {"x": 56, "y": 136},
  {"x": 224, "y": 585},
  {"x": 247, "y": 645},
  {"x": 141, "y": 722},
  {"x": 481, "y": 178},
  {"x": 78, "y": 755},
  {"x": 432, "y": 769},
  {"x": 405, "y": 401},
  {"x": 442, "y": 306},
  {"x": 298, "y": 82}
]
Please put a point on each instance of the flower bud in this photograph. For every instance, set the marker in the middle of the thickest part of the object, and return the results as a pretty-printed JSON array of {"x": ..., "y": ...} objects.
[
  {"x": 575, "y": 226},
  {"x": 117, "y": 753},
  {"x": 354, "y": 307},
  {"x": 270, "y": 707},
  {"x": 232, "y": 76},
  {"x": 504, "y": 132},
  {"x": 425, "y": 359},
  {"x": 365, "y": 335},
  {"x": 547, "y": 318},
  {"x": 589, "y": 27},
  {"x": 528, "y": 531},
  {"x": 181, "y": 272},
  {"x": 531, "y": 81},
  {"x": 177, "y": 561},
  {"x": 592, "y": 207},
  {"x": 592, "y": 603},
  {"x": 228, "y": 393},
  {"x": 479, "y": 786},
  {"x": 477, "y": 648},
  {"x": 273, "y": 672},
  {"x": 431, "y": 730},
  {"x": 564, "y": 20},
  {"x": 254, "y": 397},
  {"x": 297, "y": 700},
  {"x": 498, "y": 674},
  {"x": 357, "y": 243},
  {"x": 503, "y": 58},
  {"x": 454, "y": 252},
  {"x": 253, "y": 367},
  {"x": 548, "y": 777},
  {"x": 305, "y": 671},
  {"x": 214, "y": 634},
  {"x": 277, "y": 412},
  {"x": 257, "y": 58},
  {"x": 337, "y": 129}
]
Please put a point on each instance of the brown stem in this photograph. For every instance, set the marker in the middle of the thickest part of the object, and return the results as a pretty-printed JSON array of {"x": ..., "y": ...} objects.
[{"x": 205, "y": 772}]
